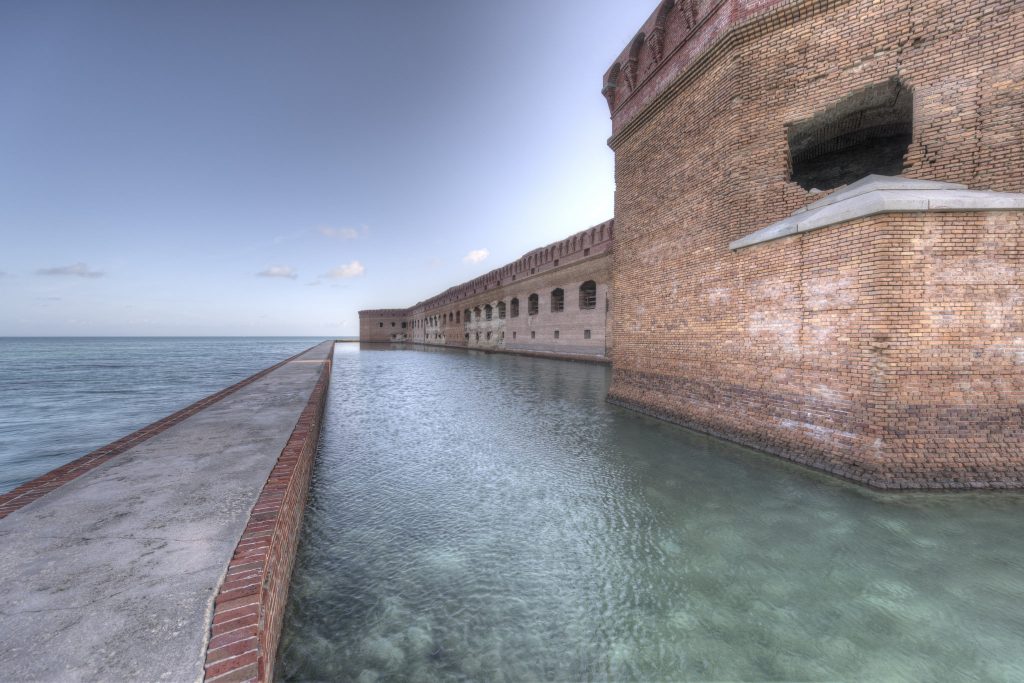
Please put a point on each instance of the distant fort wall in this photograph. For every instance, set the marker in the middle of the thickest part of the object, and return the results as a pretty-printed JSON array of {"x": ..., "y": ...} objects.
[
  {"x": 886, "y": 346},
  {"x": 552, "y": 301}
]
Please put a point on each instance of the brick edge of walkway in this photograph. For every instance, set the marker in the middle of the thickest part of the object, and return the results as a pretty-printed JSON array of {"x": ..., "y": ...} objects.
[{"x": 249, "y": 606}]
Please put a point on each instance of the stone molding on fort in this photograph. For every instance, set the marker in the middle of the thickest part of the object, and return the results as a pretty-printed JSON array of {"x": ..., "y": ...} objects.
[{"x": 879, "y": 194}]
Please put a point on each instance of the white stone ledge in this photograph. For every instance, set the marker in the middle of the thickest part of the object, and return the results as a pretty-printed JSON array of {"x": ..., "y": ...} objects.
[{"x": 883, "y": 194}]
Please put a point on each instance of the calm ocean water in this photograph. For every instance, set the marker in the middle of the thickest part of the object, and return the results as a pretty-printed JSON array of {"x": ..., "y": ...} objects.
[{"x": 63, "y": 397}]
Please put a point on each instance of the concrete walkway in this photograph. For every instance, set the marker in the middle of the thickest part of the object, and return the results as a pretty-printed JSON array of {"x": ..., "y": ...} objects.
[{"x": 111, "y": 577}]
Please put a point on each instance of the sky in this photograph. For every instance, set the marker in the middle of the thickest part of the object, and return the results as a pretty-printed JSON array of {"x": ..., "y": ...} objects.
[{"x": 271, "y": 168}]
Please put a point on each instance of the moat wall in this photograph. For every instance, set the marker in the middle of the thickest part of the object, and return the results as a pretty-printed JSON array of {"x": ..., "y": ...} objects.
[{"x": 887, "y": 349}]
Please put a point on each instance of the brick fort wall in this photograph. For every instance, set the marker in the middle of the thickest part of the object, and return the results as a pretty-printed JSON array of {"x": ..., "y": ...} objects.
[{"x": 887, "y": 350}]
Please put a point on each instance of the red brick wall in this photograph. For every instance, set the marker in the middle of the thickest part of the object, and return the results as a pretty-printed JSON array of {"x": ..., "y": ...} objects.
[
  {"x": 820, "y": 347},
  {"x": 888, "y": 350}
]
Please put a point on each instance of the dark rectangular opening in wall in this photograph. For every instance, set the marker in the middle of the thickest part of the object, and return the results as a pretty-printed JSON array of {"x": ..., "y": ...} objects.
[
  {"x": 533, "y": 334},
  {"x": 557, "y": 300},
  {"x": 588, "y": 295},
  {"x": 867, "y": 132},
  {"x": 586, "y": 334},
  {"x": 586, "y": 252},
  {"x": 556, "y": 334}
]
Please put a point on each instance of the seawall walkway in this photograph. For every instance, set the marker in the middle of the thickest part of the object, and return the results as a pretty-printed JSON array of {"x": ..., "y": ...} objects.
[{"x": 166, "y": 555}]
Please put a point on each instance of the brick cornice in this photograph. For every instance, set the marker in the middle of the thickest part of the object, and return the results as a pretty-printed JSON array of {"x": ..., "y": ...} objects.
[{"x": 760, "y": 25}]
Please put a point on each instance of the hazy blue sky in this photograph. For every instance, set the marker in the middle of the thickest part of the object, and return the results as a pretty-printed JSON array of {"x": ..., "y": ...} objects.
[{"x": 241, "y": 168}]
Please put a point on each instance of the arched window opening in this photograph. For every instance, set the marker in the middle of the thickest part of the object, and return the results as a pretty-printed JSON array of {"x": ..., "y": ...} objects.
[
  {"x": 514, "y": 308},
  {"x": 588, "y": 295},
  {"x": 501, "y": 310},
  {"x": 477, "y": 313},
  {"x": 467, "y": 316},
  {"x": 458, "y": 316},
  {"x": 557, "y": 300},
  {"x": 533, "y": 305},
  {"x": 488, "y": 312}
]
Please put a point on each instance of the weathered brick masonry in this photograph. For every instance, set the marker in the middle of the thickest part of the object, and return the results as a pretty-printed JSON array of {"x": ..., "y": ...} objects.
[
  {"x": 886, "y": 344},
  {"x": 889, "y": 349}
]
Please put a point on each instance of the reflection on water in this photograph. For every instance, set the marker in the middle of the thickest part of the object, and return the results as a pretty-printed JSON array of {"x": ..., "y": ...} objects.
[{"x": 490, "y": 517}]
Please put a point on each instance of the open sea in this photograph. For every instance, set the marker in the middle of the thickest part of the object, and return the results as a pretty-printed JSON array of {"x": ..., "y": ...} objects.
[{"x": 62, "y": 397}]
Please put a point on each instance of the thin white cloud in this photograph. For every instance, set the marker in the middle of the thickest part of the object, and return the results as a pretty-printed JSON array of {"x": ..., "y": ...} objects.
[
  {"x": 476, "y": 256},
  {"x": 278, "y": 271},
  {"x": 76, "y": 269},
  {"x": 314, "y": 283},
  {"x": 339, "y": 233},
  {"x": 354, "y": 269}
]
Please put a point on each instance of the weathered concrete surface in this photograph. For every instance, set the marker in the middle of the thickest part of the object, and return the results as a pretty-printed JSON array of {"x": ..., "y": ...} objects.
[{"x": 112, "y": 576}]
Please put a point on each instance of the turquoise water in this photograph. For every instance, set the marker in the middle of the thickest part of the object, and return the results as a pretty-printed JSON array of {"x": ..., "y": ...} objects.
[
  {"x": 491, "y": 518},
  {"x": 63, "y": 397}
]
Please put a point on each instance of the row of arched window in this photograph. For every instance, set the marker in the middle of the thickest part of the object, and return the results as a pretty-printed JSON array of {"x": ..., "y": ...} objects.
[{"x": 587, "y": 301}]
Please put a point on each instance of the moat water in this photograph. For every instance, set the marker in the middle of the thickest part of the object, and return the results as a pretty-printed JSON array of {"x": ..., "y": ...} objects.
[{"x": 491, "y": 518}]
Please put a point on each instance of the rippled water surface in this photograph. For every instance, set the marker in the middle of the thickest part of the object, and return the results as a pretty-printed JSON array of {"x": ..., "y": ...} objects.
[
  {"x": 491, "y": 518},
  {"x": 63, "y": 397}
]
